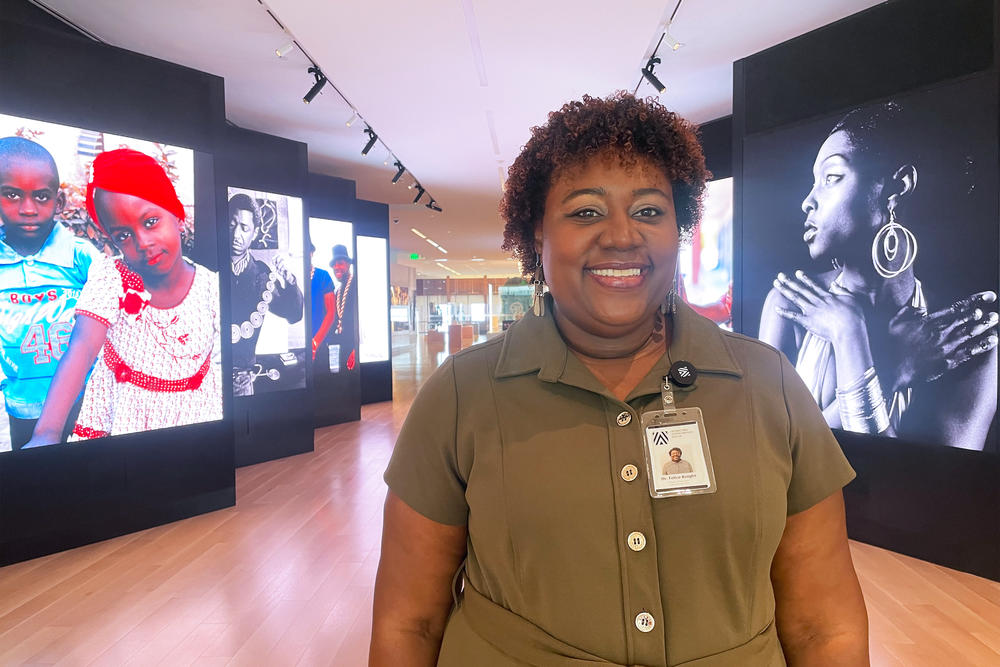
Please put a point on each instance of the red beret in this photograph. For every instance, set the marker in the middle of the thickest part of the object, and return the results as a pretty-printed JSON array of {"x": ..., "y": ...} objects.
[{"x": 130, "y": 172}]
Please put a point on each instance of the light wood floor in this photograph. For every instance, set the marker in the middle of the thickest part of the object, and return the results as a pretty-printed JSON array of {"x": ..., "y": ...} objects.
[{"x": 285, "y": 577}]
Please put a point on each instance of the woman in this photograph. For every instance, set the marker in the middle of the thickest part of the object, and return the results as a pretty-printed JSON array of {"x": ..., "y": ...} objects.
[
  {"x": 521, "y": 464},
  {"x": 863, "y": 341}
]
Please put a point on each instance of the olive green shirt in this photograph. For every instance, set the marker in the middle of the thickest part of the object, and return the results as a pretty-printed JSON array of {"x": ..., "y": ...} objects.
[{"x": 518, "y": 440}]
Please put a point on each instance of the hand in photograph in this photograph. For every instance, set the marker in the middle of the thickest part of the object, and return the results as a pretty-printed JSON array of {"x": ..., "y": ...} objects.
[
  {"x": 282, "y": 270},
  {"x": 833, "y": 314},
  {"x": 929, "y": 345}
]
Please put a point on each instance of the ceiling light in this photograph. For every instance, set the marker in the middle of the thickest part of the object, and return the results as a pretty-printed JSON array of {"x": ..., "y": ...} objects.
[
  {"x": 420, "y": 192},
  {"x": 317, "y": 86},
  {"x": 669, "y": 40},
  {"x": 477, "y": 259},
  {"x": 417, "y": 232},
  {"x": 432, "y": 205},
  {"x": 372, "y": 138},
  {"x": 283, "y": 51},
  {"x": 350, "y": 121},
  {"x": 388, "y": 158},
  {"x": 399, "y": 174},
  {"x": 647, "y": 72},
  {"x": 433, "y": 243},
  {"x": 448, "y": 268}
]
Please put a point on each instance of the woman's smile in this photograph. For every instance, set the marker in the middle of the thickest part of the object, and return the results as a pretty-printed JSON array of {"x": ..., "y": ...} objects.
[{"x": 619, "y": 276}]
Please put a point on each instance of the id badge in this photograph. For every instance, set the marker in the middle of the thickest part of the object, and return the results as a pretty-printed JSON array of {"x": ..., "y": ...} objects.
[{"x": 678, "y": 460}]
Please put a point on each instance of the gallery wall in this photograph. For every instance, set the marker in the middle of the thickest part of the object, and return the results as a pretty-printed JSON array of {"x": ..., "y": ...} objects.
[
  {"x": 928, "y": 480},
  {"x": 56, "y": 497}
]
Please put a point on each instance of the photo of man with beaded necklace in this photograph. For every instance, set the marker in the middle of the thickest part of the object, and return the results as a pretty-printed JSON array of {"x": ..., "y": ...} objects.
[{"x": 275, "y": 359}]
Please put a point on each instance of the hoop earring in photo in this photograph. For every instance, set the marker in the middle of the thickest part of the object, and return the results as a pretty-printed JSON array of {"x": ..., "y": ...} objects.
[
  {"x": 886, "y": 247},
  {"x": 538, "y": 280}
]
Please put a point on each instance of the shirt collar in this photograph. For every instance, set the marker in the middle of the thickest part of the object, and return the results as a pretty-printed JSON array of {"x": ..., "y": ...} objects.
[
  {"x": 59, "y": 249},
  {"x": 535, "y": 344}
]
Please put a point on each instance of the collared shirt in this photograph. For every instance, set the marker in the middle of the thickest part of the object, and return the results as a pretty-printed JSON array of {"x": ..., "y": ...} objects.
[
  {"x": 518, "y": 440},
  {"x": 38, "y": 294}
]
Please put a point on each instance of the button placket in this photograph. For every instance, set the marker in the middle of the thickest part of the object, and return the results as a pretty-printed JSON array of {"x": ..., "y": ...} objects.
[{"x": 624, "y": 418}]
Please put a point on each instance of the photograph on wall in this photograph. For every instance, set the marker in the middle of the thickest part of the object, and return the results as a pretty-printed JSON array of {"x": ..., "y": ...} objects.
[
  {"x": 870, "y": 258},
  {"x": 267, "y": 302},
  {"x": 706, "y": 262},
  {"x": 107, "y": 327},
  {"x": 334, "y": 296}
]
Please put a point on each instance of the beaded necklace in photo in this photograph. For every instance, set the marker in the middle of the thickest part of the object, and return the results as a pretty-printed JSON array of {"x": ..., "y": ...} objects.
[
  {"x": 342, "y": 302},
  {"x": 247, "y": 327}
]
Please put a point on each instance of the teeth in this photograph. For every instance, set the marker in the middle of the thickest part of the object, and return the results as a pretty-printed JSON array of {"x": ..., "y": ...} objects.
[{"x": 616, "y": 273}]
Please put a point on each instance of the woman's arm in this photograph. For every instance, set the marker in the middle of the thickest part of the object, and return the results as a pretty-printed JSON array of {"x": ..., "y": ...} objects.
[
  {"x": 413, "y": 586},
  {"x": 84, "y": 344},
  {"x": 819, "y": 608}
]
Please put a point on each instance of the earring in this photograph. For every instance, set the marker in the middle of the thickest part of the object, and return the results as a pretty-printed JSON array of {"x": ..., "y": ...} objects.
[
  {"x": 669, "y": 305},
  {"x": 538, "y": 280},
  {"x": 888, "y": 241}
]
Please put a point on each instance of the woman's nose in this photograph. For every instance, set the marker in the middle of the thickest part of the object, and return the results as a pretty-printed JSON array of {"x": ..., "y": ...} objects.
[
  {"x": 809, "y": 203},
  {"x": 621, "y": 232}
]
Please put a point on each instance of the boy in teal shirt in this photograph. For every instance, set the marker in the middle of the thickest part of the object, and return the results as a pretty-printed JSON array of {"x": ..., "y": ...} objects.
[{"x": 43, "y": 266}]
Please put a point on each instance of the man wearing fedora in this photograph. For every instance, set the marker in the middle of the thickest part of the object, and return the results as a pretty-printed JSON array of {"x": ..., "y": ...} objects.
[{"x": 344, "y": 328}]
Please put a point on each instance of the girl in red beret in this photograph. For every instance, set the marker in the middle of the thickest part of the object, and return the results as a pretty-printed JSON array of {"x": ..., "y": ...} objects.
[{"x": 149, "y": 318}]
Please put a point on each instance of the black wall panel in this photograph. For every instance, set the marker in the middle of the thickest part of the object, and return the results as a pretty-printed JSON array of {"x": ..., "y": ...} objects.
[
  {"x": 64, "y": 496},
  {"x": 933, "y": 502},
  {"x": 274, "y": 424}
]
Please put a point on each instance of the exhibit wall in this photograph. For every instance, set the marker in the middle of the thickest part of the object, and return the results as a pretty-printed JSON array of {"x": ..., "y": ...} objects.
[
  {"x": 139, "y": 462},
  {"x": 868, "y": 251},
  {"x": 264, "y": 204}
]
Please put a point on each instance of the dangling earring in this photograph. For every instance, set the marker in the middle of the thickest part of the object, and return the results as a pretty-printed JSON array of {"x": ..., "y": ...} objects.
[
  {"x": 836, "y": 264},
  {"x": 888, "y": 239},
  {"x": 669, "y": 305},
  {"x": 538, "y": 280}
]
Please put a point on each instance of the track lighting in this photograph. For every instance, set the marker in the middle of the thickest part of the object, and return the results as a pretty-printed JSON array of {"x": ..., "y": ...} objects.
[
  {"x": 399, "y": 173},
  {"x": 318, "y": 86},
  {"x": 350, "y": 121},
  {"x": 669, "y": 39},
  {"x": 420, "y": 193},
  {"x": 283, "y": 51},
  {"x": 388, "y": 159},
  {"x": 647, "y": 72},
  {"x": 372, "y": 138},
  {"x": 432, "y": 205}
]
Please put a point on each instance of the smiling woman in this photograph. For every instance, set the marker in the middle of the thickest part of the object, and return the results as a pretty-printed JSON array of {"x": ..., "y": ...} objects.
[{"x": 538, "y": 477}]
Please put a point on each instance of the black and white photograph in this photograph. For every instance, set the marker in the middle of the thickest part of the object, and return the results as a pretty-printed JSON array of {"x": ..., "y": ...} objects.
[
  {"x": 268, "y": 303},
  {"x": 871, "y": 261}
]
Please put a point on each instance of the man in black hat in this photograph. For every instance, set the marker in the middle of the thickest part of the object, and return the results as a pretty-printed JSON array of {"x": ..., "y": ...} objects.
[
  {"x": 257, "y": 291},
  {"x": 344, "y": 328}
]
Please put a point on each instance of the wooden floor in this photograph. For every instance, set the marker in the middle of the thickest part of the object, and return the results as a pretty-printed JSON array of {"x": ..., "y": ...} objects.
[{"x": 285, "y": 577}]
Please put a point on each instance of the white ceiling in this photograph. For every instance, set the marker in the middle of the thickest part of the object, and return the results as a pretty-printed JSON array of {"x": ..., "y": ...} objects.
[{"x": 451, "y": 86}]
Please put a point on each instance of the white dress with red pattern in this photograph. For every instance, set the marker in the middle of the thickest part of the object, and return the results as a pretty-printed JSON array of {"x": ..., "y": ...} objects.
[{"x": 159, "y": 367}]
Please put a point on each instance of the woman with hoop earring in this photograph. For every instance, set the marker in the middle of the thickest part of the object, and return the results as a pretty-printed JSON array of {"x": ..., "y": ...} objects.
[{"x": 861, "y": 335}]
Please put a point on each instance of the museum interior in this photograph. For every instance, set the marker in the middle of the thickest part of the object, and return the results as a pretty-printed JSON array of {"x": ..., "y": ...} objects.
[{"x": 301, "y": 209}]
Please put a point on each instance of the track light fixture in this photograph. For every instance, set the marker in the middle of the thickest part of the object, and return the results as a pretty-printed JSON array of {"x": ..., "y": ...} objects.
[
  {"x": 647, "y": 72},
  {"x": 432, "y": 205},
  {"x": 350, "y": 121},
  {"x": 372, "y": 138},
  {"x": 283, "y": 51},
  {"x": 669, "y": 39},
  {"x": 388, "y": 158},
  {"x": 399, "y": 173},
  {"x": 317, "y": 86},
  {"x": 420, "y": 193}
]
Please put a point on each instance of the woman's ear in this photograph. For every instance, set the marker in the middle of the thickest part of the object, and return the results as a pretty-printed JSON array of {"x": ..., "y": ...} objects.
[{"x": 904, "y": 182}]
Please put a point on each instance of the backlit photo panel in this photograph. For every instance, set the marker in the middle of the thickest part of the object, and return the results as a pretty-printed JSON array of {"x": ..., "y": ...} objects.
[
  {"x": 152, "y": 314},
  {"x": 268, "y": 304},
  {"x": 334, "y": 296},
  {"x": 871, "y": 260}
]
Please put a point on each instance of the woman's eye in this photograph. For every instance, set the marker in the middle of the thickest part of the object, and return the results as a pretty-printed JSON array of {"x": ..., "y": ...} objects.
[
  {"x": 830, "y": 179},
  {"x": 13, "y": 196},
  {"x": 150, "y": 222},
  {"x": 43, "y": 198},
  {"x": 121, "y": 237},
  {"x": 586, "y": 213},
  {"x": 647, "y": 212}
]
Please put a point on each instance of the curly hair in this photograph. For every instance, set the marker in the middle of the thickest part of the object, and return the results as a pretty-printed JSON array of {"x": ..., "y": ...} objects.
[{"x": 632, "y": 127}]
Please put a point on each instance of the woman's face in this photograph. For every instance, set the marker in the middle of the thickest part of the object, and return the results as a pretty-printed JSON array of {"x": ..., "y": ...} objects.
[
  {"x": 148, "y": 236},
  {"x": 840, "y": 209},
  {"x": 609, "y": 241}
]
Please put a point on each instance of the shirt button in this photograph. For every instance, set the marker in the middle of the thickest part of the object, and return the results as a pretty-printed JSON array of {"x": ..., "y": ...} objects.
[
  {"x": 629, "y": 472},
  {"x": 624, "y": 418},
  {"x": 636, "y": 541},
  {"x": 645, "y": 622}
]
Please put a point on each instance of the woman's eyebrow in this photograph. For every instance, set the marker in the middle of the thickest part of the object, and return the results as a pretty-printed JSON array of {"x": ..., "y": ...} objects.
[
  {"x": 600, "y": 192},
  {"x": 840, "y": 155},
  {"x": 650, "y": 191}
]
